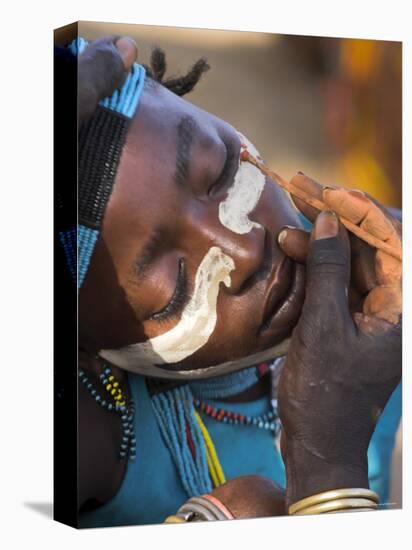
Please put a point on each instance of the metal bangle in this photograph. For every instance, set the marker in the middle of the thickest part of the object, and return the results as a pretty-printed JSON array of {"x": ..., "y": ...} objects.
[
  {"x": 201, "y": 508},
  {"x": 332, "y": 495},
  {"x": 338, "y": 505}
]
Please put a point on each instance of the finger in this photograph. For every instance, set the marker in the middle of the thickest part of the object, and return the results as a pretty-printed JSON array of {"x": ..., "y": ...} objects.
[
  {"x": 356, "y": 207},
  {"x": 371, "y": 325},
  {"x": 127, "y": 48},
  {"x": 384, "y": 302},
  {"x": 328, "y": 273},
  {"x": 363, "y": 260},
  {"x": 361, "y": 210},
  {"x": 312, "y": 188},
  {"x": 295, "y": 243},
  {"x": 102, "y": 69}
]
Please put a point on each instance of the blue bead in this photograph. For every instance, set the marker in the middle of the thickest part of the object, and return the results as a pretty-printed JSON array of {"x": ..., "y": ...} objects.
[{"x": 98, "y": 398}]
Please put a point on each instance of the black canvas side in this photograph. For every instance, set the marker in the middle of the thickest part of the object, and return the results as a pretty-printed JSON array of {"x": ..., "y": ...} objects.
[{"x": 65, "y": 288}]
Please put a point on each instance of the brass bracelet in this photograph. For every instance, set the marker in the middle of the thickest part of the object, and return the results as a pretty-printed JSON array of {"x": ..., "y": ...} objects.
[
  {"x": 175, "y": 519},
  {"x": 335, "y": 494},
  {"x": 338, "y": 505}
]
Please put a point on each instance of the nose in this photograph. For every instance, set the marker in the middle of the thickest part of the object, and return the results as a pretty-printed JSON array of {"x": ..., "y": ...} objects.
[{"x": 249, "y": 251}]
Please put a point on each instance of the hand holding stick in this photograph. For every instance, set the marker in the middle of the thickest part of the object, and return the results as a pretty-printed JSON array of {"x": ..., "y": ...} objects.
[{"x": 316, "y": 203}]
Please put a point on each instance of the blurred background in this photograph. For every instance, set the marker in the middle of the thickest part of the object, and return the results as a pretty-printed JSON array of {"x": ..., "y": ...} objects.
[{"x": 331, "y": 108}]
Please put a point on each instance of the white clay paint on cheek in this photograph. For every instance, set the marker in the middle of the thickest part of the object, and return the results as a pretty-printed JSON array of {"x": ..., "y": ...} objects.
[
  {"x": 195, "y": 327},
  {"x": 243, "y": 195}
]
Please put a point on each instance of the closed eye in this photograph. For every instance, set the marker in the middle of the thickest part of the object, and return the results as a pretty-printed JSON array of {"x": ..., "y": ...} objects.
[
  {"x": 229, "y": 170},
  {"x": 178, "y": 300}
]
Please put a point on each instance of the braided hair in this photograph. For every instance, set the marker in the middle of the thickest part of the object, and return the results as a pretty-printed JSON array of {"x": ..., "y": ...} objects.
[{"x": 181, "y": 85}]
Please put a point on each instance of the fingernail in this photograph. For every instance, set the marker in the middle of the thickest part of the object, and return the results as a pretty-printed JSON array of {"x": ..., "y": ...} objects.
[
  {"x": 282, "y": 236},
  {"x": 127, "y": 48},
  {"x": 326, "y": 225},
  {"x": 357, "y": 193}
]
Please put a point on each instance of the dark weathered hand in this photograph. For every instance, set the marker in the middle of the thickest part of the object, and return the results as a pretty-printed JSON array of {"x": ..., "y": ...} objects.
[
  {"x": 341, "y": 368},
  {"x": 102, "y": 68},
  {"x": 370, "y": 269}
]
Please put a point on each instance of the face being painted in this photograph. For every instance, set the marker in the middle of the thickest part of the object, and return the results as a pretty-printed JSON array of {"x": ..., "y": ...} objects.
[{"x": 187, "y": 278}]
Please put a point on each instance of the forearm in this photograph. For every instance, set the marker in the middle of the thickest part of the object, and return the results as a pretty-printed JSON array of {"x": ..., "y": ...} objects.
[{"x": 308, "y": 474}]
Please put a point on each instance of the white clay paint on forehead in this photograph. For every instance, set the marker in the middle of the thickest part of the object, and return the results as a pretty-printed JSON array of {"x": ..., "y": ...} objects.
[
  {"x": 243, "y": 195},
  {"x": 195, "y": 327}
]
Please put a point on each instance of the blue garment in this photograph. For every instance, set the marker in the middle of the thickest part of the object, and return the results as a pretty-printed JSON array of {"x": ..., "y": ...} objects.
[{"x": 152, "y": 490}]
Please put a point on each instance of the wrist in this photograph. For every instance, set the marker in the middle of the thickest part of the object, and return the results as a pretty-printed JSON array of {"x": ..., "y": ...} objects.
[{"x": 308, "y": 474}]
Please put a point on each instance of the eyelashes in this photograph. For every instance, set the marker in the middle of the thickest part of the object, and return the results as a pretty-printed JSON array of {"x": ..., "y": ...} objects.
[{"x": 179, "y": 299}]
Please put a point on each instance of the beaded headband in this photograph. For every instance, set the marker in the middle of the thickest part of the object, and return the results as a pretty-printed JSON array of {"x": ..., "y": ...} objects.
[{"x": 101, "y": 141}]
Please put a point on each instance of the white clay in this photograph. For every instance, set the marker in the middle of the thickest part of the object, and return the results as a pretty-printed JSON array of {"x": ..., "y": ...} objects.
[
  {"x": 243, "y": 195},
  {"x": 195, "y": 327}
]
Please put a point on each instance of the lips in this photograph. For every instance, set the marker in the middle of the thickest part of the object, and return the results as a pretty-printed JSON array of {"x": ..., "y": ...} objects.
[{"x": 285, "y": 296}]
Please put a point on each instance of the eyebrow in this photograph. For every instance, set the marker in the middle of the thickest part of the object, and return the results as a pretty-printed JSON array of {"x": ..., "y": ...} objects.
[{"x": 185, "y": 132}]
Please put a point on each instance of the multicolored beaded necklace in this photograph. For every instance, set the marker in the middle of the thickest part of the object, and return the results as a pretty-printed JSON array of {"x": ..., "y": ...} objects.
[
  {"x": 115, "y": 402},
  {"x": 268, "y": 421}
]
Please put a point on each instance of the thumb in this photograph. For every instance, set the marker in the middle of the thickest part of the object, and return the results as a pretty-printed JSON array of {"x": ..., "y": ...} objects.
[{"x": 328, "y": 270}]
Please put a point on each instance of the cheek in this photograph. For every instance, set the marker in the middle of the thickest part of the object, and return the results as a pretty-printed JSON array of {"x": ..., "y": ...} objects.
[
  {"x": 195, "y": 327},
  {"x": 153, "y": 291}
]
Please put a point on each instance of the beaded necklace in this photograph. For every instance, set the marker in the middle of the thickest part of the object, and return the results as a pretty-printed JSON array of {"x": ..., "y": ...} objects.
[
  {"x": 231, "y": 385},
  {"x": 115, "y": 402},
  {"x": 267, "y": 421}
]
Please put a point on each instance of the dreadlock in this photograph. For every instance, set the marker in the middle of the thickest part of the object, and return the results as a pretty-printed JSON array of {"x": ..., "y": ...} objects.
[{"x": 179, "y": 85}]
